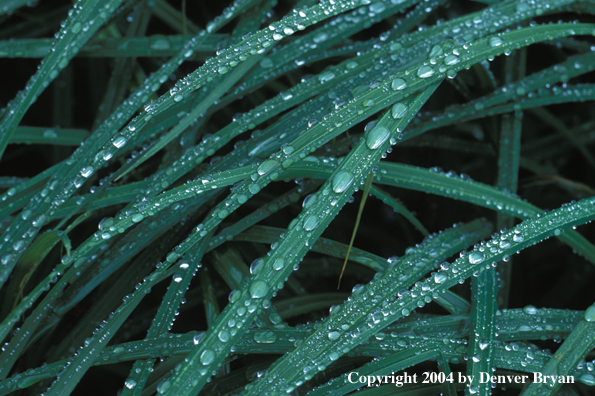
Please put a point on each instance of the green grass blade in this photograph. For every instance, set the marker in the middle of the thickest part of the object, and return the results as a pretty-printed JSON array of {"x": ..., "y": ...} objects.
[{"x": 72, "y": 36}]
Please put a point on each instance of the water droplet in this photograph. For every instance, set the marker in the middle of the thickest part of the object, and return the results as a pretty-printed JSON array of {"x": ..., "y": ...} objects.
[
  {"x": 279, "y": 264},
  {"x": 258, "y": 289},
  {"x": 590, "y": 314},
  {"x": 425, "y": 72},
  {"x": 310, "y": 222},
  {"x": 495, "y": 41},
  {"x": 326, "y": 76},
  {"x": 137, "y": 218},
  {"x": 50, "y": 134},
  {"x": 265, "y": 337},
  {"x": 223, "y": 336},
  {"x": 436, "y": 51},
  {"x": 398, "y": 111},
  {"x": 333, "y": 335},
  {"x": 451, "y": 60},
  {"x": 351, "y": 64},
  {"x": 440, "y": 277},
  {"x": 341, "y": 181},
  {"x": 87, "y": 171},
  {"x": 587, "y": 379},
  {"x": 254, "y": 188},
  {"x": 130, "y": 383},
  {"x": 504, "y": 244},
  {"x": 160, "y": 43},
  {"x": 376, "y": 137},
  {"x": 76, "y": 27},
  {"x": 518, "y": 237},
  {"x": 119, "y": 141},
  {"x": 163, "y": 387},
  {"x": 207, "y": 356},
  {"x": 267, "y": 166},
  {"x": 256, "y": 266},
  {"x": 476, "y": 257},
  {"x": 522, "y": 7},
  {"x": 530, "y": 310},
  {"x": 309, "y": 201},
  {"x": 398, "y": 84}
]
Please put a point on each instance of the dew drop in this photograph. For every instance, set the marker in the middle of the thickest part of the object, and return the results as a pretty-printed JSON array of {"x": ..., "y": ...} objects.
[
  {"x": 590, "y": 314},
  {"x": 376, "y": 137},
  {"x": 398, "y": 84},
  {"x": 495, "y": 41},
  {"x": 398, "y": 111},
  {"x": 425, "y": 72},
  {"x": 341, "y": 181},
  {"x": 223, "y": 336},
  {"x": 310, "y": 223},
  {"x": 309, "y": 201},
  {"x": 137, "y": 218},
  {"x": 207, "y": 356},
  {"x": 530, "y": 310},
  {"x": 326, "y": 76},
  {"x": 258, "y": 289},
  {"x": 476, "y": 257},
  {"x": 451, "y": 60},
  {"x": 49, "y": 133},
  {"x": 265, "y": 337},
  {"x": 440, "y": 277},
  {"x": 130, "y": 383},
  {"x": 267, "y": 166}
]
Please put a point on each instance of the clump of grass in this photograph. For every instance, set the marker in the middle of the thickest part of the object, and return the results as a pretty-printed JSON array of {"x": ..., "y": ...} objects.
[{"x": 187, "y": 218}]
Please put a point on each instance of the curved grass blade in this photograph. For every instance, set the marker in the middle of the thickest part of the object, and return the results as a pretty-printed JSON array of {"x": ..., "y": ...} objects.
[
  {"x": 163, "y": 321},
  {"x": 580, "y": 342},
  {"x": 318, "y": 352},
  {"x": 451, "y": 186},
  {"x": 70, "y": 39}
]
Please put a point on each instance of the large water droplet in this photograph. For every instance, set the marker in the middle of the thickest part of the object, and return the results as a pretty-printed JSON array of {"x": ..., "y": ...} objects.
[
  {"x": 310, "y": 222},
  {"x": 267, "y": 166},
  {"x": 398, "y": 84},
  {"x": 530, "y": 310},
  {"x": 495, "y": 41},
  {"x": 258, "y": 289},
  {"x": 451, "y": 60},
  {"x": 476, "y": 257},
  {"x": 518, "y": 237},
  {"x": 265, "y": 337},
  {"x": 398, "y": 111},
  {"x": 376, "y": 137},
  {"x": 425, "y": 72},
  {"x": 590, "y": 314},
  {"x": 137, "y": 218},
  {"x": 223, "y": 336},
  {"x": 326, "y": 76},
  {"x": 130, "y": 383},
  {"x": 207, "y": 356},
  {"x": 341, "y": 181},
  {"x": 309, "y": 201},
  {"x": 440, "y": 277}
]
